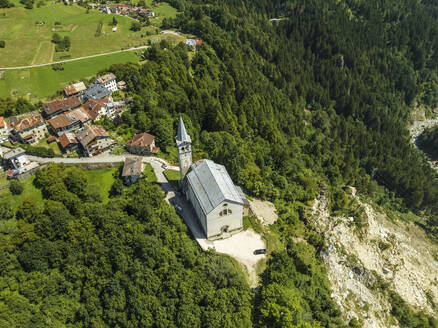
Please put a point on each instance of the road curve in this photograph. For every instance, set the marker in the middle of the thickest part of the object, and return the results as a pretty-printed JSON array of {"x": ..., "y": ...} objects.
[{"x": 72, "y": 59}]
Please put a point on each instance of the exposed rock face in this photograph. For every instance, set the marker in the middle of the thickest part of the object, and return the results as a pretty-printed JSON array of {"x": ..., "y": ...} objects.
[{"x": 359, "y": 260}]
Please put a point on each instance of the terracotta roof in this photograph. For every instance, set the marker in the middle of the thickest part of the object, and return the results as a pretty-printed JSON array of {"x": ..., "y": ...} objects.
[
  {"x": 141, "y": 139},
  {"x": 80, "y": 114},
  {"x": 61, "y": 105},
  {"x": 74, "y": 88},
  {"x": 28, "y": 122},
  {"x": 132, "y": 166},
  {"x": 2, "y": 122},
  {"x": 60, "y": 122},
  {"x": 51, "y": 139},
  {"x": 92, "y": 107},
  {"x": 67, "y": 139},
  {"x": 89, "y": 133},
  {"x": 105, "y": 78}
]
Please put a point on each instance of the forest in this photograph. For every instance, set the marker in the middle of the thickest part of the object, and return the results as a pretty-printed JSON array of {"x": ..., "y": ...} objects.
[{"x": 312, "y": 103}]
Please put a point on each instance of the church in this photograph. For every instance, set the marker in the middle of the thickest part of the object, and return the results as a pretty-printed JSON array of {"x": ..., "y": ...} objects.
[{"x": 218, "y": 203}]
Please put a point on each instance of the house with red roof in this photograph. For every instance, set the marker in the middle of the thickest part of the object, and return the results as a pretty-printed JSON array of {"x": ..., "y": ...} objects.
[
  {"x": 29, "y": 130},
  {"x": 57, "y": 107},
  {"x": 142, "y": 144},
  {"x": 68, "y": 142},
  {"x": 94, "y": 140}
]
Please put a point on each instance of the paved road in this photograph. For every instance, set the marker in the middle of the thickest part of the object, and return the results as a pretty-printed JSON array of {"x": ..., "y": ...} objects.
[
  {"x": 105, "y": 158},
  {"x": 72, "y": 59}
]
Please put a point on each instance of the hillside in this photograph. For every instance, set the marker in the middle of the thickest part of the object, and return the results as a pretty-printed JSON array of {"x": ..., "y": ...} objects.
[
  {"x": 296, "y": 109},
  {"x": 29, "y": 43}
]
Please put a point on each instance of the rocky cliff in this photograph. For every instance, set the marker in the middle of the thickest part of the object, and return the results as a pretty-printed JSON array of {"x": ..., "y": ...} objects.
[{"x": 363, "y": 264}]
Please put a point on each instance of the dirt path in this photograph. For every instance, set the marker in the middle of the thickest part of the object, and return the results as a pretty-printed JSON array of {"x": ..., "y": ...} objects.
[
  {"x": 73, "y": 59},
  {"x": 40, "y": 47}
]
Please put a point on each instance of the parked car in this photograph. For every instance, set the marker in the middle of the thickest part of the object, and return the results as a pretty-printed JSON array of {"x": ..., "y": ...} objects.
[
  {"x": 178, "y": 208},
  {"x": 164, "y": 166},
  {"x": 260, "y": 251}
]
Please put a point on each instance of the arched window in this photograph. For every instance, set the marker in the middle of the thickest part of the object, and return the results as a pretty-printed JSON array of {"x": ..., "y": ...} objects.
[{"x": 229, "y": 211}]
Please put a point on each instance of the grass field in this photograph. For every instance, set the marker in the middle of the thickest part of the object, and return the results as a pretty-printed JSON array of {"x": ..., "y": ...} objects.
[
  {"x": 149, "y": 173},
  {"x": 41, "y": 82},
  {"x": 28, "y": 42},
  {"x": 29, "y": 192},
  {"x": 54, "y": 146},
  {"x": 102, "y": 178},
  {"x": 173, "y": 177}
]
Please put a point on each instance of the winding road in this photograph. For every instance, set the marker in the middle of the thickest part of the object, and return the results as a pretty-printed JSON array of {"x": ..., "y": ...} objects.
[{"x": 72, "y": 59}]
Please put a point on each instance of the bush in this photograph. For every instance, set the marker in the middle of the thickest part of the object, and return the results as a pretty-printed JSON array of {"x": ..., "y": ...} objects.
[
  {"x": 135, "y": 26},
  {"x": 39, "y": 151},
  {"x": 2, "y": 44},
  {"x": 16, "y": 187}
]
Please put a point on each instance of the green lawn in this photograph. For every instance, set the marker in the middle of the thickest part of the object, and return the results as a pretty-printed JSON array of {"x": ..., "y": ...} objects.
[
  {"x": 28, "y": 42},
  {"x": 149, "y": 173},
  {"x": 41, "y": 82},
  {"x": 102, "y": 178},
  {"x": 29, "y": 192},
  {"x": 173, "y": 177},
  {"x": 54, "y": 146}
]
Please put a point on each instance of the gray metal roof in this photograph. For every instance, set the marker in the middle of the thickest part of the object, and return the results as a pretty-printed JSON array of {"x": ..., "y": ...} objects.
[
  {"x": 95, "y": 91},
  {"x": 182, "y": 133},
  {"x": 212, "y": 185}
]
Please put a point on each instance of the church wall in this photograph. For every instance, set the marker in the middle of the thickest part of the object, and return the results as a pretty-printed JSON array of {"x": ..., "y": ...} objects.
[
  {"x": 197, "y": 207},
  {"x": 215, "y": 222}
]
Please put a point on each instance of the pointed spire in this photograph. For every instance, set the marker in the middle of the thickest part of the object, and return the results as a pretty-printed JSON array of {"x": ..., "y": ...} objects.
[{"x": 182, "y": 133}]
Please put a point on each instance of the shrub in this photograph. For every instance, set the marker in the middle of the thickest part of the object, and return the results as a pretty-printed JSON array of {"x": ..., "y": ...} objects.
[
  {"x": 39, "y": 151},
  {"x": 16, "y": 187},
  {"x": 2, "y": 44}
]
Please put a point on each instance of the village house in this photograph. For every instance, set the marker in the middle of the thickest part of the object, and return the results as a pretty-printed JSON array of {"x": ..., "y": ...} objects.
[
  {"x": 68, "y": 122},
  {"x": 132, "y": 170},
  {"x": 95, "y": 91},
  {"x": 94, "y": 140},
  {"x": 145, "y": 13},
  {"x": 142, "y": 144},
  {"x": 75, "y": 89},
  {"x": 5, "y": 129},
  {"x": 17, "y": 162},
  {"x": 193, "y": 43},
  {"x": 114, "y": 109},
  {"x": 217, "y": 202},
  {"x": 29, "y": 130},
  {"x": 108, "y": 81},
  {"x": 58, "y": 107},
  {"x": 63, "y": 123},
  {"x": 96, "y": 108},
  {"x": 68, "y": 142},
  {"x": 81, "y": 115}
]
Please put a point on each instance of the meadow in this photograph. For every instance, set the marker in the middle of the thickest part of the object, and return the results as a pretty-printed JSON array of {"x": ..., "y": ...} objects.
[
  {"x": 29, "y": 43},
  {"x": 38, "y": 83}
]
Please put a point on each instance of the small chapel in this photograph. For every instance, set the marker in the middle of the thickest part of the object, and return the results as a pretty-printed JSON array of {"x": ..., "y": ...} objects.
[{"x": 218, "y": 203}]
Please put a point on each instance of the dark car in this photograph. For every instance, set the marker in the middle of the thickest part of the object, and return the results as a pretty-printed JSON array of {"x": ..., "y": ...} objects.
[{"x": 260, "y": 251}]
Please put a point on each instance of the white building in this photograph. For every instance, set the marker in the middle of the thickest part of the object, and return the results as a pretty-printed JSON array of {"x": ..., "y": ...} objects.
[
  {"x": 217, "y": 202},
  {"x": 108, "y": 81},
  {"x": 5, "y": 129}
]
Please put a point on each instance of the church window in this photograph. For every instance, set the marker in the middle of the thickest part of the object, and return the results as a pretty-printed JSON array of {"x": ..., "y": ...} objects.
[
  {"x": 229, "y": 211},
  {"x": 225, "y": 204}
]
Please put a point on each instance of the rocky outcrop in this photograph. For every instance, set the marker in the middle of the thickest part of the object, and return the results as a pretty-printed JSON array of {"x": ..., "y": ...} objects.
[{"x": 362, "y": 263}]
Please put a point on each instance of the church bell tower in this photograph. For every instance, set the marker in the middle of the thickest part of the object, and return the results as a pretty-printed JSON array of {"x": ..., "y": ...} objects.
[{"x": 184, "y": 146}]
